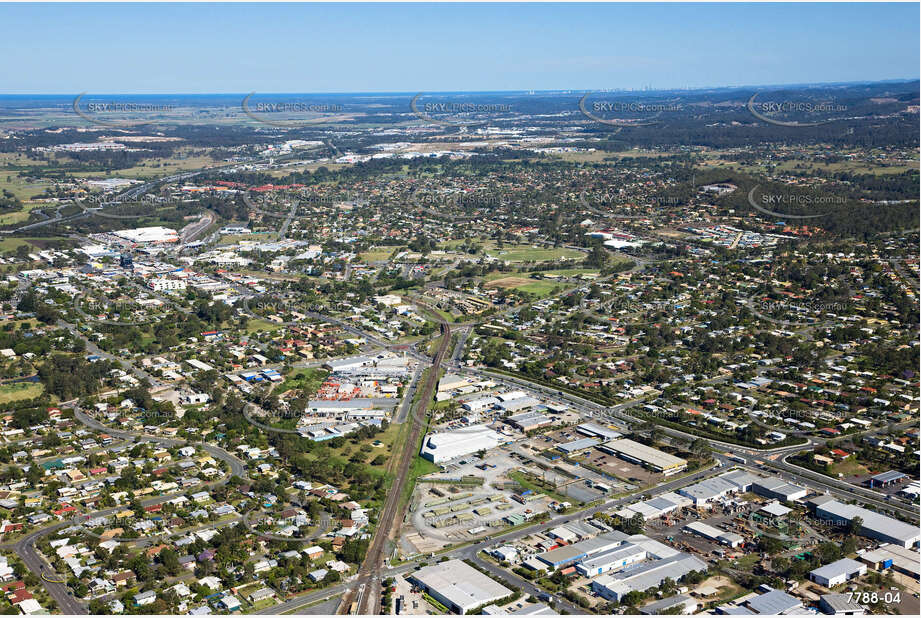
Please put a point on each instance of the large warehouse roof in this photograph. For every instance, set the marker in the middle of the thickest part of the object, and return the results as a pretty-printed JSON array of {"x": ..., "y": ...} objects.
[
  {"x": 902, "y": 558},
  {"x": 593, "y": 430},
  {"x": 775, "y": 487},
  {"x": 519, "y": 403},
  {"x": 578, "y": 445},
  {"x": 528, "y": 420},
  {"x": 875, "y": 525},
  {"x": 148, "y": 234},
  {"x": 439, "y": 447},
  {"x": 648, "y": 575},
  {"x": 460, "y": 584},
  {"x": 774, "y": 602},
  {"x": 716, "y": 487},
  {"x": 844, "y": 566},
  {"x": 588, "y": 547},
  {"x": 645, "y": 454}
]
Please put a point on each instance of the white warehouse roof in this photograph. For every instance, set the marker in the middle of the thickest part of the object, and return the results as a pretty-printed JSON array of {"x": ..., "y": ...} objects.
[
  {"x": 438, "y": 447},
  {"x": 875, "y": 525},
  {"x": 462, "y": 586}
]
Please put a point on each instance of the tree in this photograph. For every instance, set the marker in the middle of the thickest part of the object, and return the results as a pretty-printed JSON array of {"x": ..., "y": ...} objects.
[
  {"x": 854, "y": 526},
  {"x": 170, "y": 561}
]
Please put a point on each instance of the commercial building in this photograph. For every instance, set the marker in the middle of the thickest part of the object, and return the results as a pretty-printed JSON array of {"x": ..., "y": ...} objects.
[
  {"x": 837, "y": 572},
  {"x": 343, "y": 364},
  {"x": 644, "y": 576},
  {"x": 635, "y": 549},
  {"x": 478, "y": 405},
  {"x": 895, "y": 557},
  {"x": 451, "y": 381},
  {"x": 714, "y": 534},
  {"x": 708, "y": 490},
  {"x": 197, "y": 364},
  {"x": 649, "y": 457},
  {"x": 885, "y": 479},
  {"x": 684, "y": 604},
  {"x": 616, "y": 558},
  {"x": 148, "y": 235},
  {"x": 334, "y": 407},
  {"x": 439, "y": 447},
  {"x": 775, "y": 509},
  {"x": 874, "y": 526},
  {"x": 773, "y": 487},
  {"x": 775, "y": 602},
  {"x": 840, "y": 605},
  {"x": 161, "y": 284},
  {"x": 458, "y": 586},
  {"x": 593, "y": 430},
  {"x": 528, "y": 421},
  {"x": 520, "y": 403},
  {"x": 655, "y": 507},
  {"x": 563, "y": 556},
  {"x": 577, "y": 445}
]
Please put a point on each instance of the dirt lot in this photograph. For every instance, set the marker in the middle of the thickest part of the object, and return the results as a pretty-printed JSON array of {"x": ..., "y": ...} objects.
[
  {"x": 615, "y": 466},
  {"x": 508, "y": 282}
]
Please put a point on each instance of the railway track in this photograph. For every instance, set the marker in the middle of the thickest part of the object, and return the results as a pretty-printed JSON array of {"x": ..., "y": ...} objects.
[{"x": 369, "y": 573}]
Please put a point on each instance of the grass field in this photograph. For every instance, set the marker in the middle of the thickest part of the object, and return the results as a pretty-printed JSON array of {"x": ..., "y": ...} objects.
[
  {"x": 529, "y": 253},
  {"x": 12, "y": 218},
  {"x": 11, "y": 244},
  {"x": 258, "y": 325},
  {"x": 24, "y": 189},
  {"x": 573, "y": 272},
  {"x": 849, "y": 467},
  {"x": 531, "y": 286},
  {"x": 160, "y": 167},
  {"x": 20, "y": 390},
  {"x": 306, "y": 379},
  {"x": 377, "y": 254},
  {"x": 385, "y": 440}
]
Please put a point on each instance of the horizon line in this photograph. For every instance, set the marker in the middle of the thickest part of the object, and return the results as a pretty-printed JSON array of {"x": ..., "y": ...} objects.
[{"x": 513, "y": 91}]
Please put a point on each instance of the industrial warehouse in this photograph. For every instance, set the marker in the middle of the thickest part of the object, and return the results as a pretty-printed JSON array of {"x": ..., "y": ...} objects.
[
  {"x": 458, "y": 586},
  {"x": 874, "y": 525},
  {"x": 647, "y": 456},
  {"x": 441, "y": 447}
]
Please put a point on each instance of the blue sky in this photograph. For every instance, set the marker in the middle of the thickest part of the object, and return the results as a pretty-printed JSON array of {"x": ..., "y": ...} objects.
[{"x": 203, "y": 48}]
